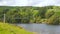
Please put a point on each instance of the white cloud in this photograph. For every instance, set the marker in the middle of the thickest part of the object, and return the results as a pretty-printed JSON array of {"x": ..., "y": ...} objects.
[
  {"x": 6, "y": 2},
  {"x": 2, "y": 3},
  {"x": 20, "y": 2},
  {"x": 46, "y": 3},
  {"x": 34, "y": 2},
  {"x": 57, "y": 2},
  {"x": 29, "y": 2}
]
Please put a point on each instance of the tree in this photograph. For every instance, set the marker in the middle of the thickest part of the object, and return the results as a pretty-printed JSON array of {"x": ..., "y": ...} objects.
[
  {"x": 53, "y": 20},
  {"x": 49, "y": 13}
]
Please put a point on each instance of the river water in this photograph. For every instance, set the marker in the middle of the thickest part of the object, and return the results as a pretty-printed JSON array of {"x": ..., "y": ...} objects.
[{"x": 41, "y": 28}]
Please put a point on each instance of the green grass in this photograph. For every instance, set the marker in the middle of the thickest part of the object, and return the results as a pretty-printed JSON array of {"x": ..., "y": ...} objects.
[{"x": 11, "y": 29}]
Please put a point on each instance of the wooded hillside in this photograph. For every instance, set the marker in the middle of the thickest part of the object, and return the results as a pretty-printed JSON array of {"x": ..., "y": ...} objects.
[{"x": 29, "y": 14}]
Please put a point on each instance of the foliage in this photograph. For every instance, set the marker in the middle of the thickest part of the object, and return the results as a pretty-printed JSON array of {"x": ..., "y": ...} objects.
[
  {"x": 29, "y": 14},
  {"x": 53, "y": 20},
  {"x": 49, "y": 13}
]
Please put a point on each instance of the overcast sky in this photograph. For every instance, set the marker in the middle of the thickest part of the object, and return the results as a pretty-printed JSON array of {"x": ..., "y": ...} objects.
[{"x": 29, "y": 2}]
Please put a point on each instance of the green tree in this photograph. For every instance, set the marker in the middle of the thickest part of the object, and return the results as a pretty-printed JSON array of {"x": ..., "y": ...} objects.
[
  {"x": 49, "y": 13},
  {"x": 53, "y": 20}
]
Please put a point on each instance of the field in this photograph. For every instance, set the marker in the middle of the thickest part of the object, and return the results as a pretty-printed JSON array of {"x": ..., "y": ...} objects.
[{"x": 11, "y": 29}]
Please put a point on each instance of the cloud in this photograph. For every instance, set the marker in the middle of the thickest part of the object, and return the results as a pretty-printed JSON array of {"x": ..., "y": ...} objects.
[
  {"x": 2, "y": 3},
  {"x": 6, "y": 2},
  {"x": 13, "y": 2},
  {"x": 57, "y": 2},
  {"x": 29, "y": 2},
  {"x": 21, "y": 2},
  {"x": 34, "y": 2},
  {"x": 46, "y": 3}
]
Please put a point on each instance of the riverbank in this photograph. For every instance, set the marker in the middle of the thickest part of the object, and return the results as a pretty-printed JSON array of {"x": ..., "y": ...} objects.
[{"x": 11, "y": 29}]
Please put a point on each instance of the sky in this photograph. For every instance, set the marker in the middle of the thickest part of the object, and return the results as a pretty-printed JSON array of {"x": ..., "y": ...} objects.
[{"x": 29, "y": 2}]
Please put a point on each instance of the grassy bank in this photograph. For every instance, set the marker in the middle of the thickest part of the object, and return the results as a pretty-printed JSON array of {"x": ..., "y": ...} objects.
[{"x": 11, "y": 29}]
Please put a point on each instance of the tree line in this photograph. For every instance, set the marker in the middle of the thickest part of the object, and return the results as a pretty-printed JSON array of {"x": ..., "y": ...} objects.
[{"x": 29, "y": 14}]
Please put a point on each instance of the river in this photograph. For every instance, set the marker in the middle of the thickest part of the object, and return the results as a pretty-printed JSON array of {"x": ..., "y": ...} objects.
[{"x": 41, "y": 28}]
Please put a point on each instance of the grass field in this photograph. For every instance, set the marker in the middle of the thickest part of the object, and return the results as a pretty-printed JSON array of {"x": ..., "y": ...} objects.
[{"x": 11, "y": 29}]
